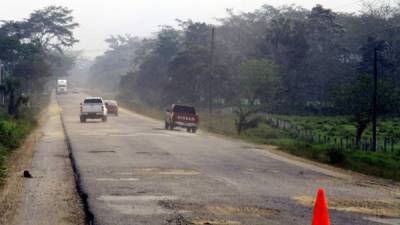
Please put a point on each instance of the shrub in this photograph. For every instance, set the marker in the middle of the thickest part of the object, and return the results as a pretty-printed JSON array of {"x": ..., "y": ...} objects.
[
  {"x": 246, "y": 118},
  {"x": 10, "y": 133},
  {"x": 335, "y": 156},
  {"x": 265, "y": 131}
]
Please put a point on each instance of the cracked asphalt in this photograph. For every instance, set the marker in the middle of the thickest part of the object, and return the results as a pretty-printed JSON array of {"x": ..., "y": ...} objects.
[{"x": 135, "y": 172}]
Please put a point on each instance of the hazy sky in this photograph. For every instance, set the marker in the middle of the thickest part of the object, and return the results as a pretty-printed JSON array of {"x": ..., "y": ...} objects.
[{"x": 100, "y": 18}]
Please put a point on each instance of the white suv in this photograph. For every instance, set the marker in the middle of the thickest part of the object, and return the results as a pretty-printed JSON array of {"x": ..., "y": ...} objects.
[{"x": 93, "y": 108}]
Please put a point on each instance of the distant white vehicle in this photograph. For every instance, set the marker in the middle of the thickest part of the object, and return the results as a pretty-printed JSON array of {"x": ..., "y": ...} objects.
[
  {"x": 62, "y": 87},
  {"x": 93, "y": 108}
]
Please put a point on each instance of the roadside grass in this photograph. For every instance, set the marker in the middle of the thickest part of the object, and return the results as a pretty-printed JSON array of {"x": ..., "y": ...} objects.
[
  {"x": 379, "y": 164},
  {"x": 140, "y": 108},
  {"x": 13, "y": 131},
  {"x": 218, "y": 123},
  {"x": 340, "y": 126}
]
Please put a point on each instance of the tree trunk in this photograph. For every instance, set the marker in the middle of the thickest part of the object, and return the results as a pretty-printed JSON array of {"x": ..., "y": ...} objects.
[
  {"x": 361, "y": 126},
  {"x": 11, "y": 105}
]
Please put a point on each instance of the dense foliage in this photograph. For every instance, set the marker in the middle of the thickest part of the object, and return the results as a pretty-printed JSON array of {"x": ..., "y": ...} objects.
[
  {"x": 286, "y": 60},
  {"x": 12, "y": 133},
  {"x": 32, "y": 51}
]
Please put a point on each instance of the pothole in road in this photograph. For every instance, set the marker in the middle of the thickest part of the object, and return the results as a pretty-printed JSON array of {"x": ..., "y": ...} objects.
[
  {"x": 130, "y": 198},
  {"x": 180, "y": 220},
  {"x": 102, "y": 151},
  {"x": 220, "y": 210},
  {"x": 251, "y": 147},
  {"x": 117, "y": 179},
  {"x": 367, "y": 207},
  {"x": 136, "y": 204},
  {"x": 261, "y": 170},
  {"x": 384, "y": 221},
  {"x": 160, "y": 171},
  {"x": 153, "y": 153},
  {"x": 136, "y": 134},
  {"x": 243, "y": 211},
  {"x": 61, "y": 155},
  {"x": 214, "y": 222}
]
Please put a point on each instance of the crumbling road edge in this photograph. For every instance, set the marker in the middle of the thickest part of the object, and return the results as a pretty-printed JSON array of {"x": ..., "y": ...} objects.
[{"x": 89, "y": 216}]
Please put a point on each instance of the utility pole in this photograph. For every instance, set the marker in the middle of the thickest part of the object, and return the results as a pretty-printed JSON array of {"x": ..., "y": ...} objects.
[
  {"x": 375, "y": 99},
  {"x": 2, "y": 74},
  {"x": 211, "y": 70}
]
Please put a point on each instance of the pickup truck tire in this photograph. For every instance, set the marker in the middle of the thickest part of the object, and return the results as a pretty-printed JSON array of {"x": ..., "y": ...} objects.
[
  {"x": 166, "y": 125},
  {"x": 194, "y": 130},
  {"x": 104, "y": 119},
  {"x": 188, "y": 130},
  {"x": 83, "y": 119}
]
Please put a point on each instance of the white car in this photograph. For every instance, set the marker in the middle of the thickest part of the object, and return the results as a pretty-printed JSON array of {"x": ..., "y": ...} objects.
[{"x": 93, "y": 108}]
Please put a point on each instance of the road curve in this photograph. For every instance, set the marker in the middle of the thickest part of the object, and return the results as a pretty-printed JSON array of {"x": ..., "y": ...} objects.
[{"x": 135, "y": 172}]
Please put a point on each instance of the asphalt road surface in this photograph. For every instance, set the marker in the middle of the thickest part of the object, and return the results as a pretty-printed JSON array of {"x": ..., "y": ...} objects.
[{"x": 135, "y": 172}]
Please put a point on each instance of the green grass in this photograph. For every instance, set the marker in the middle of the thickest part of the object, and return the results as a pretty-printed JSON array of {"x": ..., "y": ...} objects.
[
  {"x": 12, "y": 133},
  {"x": 339, "y": 126},
  {"x": 218, "y": 123},
  {"x": 380, "y": 164}
]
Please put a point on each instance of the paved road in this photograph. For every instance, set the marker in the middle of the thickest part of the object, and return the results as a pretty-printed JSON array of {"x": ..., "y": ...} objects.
[{"x": 135, "y": 172}]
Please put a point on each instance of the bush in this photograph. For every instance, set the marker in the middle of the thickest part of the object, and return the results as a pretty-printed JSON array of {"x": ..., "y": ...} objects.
[
  {"x": 246, "y": 118},
  {"x": 265, "y": 131},
  {"x": 335, "y": 156},
  {"x": 12, "y": 133}
]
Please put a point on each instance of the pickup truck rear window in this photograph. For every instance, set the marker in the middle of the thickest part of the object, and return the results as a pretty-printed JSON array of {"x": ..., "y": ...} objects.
[
  {"x": 93, "y": 100},
  {"x": 111, "y": 102},
  {"x": 184, "y": 109}
]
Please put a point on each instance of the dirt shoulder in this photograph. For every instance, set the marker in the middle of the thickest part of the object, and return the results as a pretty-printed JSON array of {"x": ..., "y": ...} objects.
[
  {"x": 50, "y": 196},
  {"x": 10, "y": 192}
]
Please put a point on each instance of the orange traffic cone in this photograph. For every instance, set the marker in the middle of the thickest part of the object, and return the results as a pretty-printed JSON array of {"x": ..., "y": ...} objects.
[{"x": 320, "y": 216}]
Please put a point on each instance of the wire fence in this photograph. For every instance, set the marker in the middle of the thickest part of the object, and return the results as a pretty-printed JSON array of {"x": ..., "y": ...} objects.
[{"x": 384, "y": 144}]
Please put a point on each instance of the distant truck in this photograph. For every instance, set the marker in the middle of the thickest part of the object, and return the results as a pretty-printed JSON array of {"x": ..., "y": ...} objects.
[
  {"x": 62, "y": 87},
  {"x": 181, "y": 116},
  {"x": 93, "y": 108}
]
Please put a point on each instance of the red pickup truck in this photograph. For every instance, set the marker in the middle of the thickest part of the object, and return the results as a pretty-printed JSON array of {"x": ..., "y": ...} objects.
[{"x": 181, "y": 116}]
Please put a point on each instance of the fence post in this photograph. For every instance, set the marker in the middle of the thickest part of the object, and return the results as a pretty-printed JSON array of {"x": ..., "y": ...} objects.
[
  {"x": 341, "y": 143},
  {"x": 392, "y": 145},
  {"x": 384, "y": 144},
  {"x": 370, "y": 147}
]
